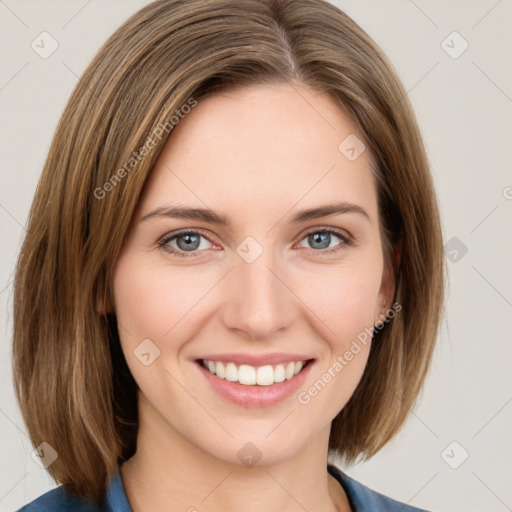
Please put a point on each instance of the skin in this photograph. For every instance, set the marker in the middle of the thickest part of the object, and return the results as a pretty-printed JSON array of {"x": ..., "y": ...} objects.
[{"x": 256, "y": 156}]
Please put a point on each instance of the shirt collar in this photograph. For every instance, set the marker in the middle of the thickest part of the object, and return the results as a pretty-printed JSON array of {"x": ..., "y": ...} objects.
[{"x": 116, "y": 500}]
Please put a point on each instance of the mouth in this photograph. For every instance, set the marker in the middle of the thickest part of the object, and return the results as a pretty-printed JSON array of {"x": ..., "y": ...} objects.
[
  {"x": 248, "y": 375},
  {"x": 255, "y": 386}
]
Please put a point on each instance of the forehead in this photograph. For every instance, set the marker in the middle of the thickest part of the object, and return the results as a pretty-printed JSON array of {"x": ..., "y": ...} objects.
[{"x": 262, "y": 146}]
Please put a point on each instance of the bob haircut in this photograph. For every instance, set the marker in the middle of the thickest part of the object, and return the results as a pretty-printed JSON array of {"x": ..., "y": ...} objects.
[{"x": 169, "y": 54}]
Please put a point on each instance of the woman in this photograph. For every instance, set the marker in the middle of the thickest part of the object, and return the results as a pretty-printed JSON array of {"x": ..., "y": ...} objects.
[{"x": 233, "y": 267}]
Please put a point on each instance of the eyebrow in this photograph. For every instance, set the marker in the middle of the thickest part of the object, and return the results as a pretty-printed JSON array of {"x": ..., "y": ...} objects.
[{"x": 207, "y": 215}]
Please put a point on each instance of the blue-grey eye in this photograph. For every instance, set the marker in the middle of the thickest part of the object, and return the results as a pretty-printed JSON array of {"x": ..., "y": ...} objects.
[
  {"x": 321, "y": 239},
  {"x": 188, "y": 242},
  {"x": 183, "y": 243}
]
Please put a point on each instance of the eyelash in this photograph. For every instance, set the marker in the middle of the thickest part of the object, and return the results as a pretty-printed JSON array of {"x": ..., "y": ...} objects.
[{"x": 162, "y": 244}]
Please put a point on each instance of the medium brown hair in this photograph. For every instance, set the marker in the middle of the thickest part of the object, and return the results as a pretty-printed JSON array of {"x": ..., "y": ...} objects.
[{"x": 66, "y": 352}]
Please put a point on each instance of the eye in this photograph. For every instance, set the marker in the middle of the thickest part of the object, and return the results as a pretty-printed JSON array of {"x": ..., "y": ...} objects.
[
  {"x": 184, "y": 244},
  {"x": 320, "y": 239}
]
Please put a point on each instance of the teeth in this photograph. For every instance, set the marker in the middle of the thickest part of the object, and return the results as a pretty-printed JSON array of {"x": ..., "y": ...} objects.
[
  {"x": 249, "y": 375},
  {"x": 265, "y": 375},
  {"x": 219, "y": 370},
  {"x": 279, "y": 373},
  {"x": 231, "y": 372},
  {"x": 290, "y": 370}
]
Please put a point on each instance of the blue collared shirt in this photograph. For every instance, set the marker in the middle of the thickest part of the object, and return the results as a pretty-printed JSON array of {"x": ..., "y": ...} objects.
[{"x": 360, "y": 497}]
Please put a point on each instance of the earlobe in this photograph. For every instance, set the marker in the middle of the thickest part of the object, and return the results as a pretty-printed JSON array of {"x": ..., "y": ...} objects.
[
  {"x": 388, "y": 283},
  {"x": 103, "y": 306},
  {"x": 388, "y": 286},
  {"x": 101, "y": 309}
]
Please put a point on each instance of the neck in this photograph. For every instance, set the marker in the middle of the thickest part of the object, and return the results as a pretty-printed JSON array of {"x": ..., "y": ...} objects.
[{"x": 170, "y": 473}]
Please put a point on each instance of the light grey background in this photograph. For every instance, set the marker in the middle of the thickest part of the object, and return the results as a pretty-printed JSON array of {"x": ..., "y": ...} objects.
[{"x": 464, "y": 107}]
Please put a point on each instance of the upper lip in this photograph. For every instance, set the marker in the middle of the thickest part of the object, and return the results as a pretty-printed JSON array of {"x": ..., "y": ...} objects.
[{"x": 256, "y": 360}]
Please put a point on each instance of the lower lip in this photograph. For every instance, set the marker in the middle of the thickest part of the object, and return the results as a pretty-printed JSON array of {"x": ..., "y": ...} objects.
[{"x": 256, "y": 396}]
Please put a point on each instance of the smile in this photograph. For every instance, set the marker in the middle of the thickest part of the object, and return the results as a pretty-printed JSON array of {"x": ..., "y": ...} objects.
[
  {"x": 261, "y": 385},
  {"x": 250, "y": 375}
]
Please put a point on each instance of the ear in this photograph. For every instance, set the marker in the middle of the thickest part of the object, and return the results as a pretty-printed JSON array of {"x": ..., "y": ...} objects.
[
  {"x": 103, "y": 305},
  {"x": 388, "y": 284}
]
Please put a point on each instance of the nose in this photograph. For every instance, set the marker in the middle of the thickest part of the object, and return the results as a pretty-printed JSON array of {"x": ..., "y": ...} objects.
[{"x": 260, "y": 302}]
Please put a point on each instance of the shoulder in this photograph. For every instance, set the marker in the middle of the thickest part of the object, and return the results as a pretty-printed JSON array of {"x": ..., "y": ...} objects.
[
  {"x": 58, "y": 500},
  {"x": 363, "y": 498}
]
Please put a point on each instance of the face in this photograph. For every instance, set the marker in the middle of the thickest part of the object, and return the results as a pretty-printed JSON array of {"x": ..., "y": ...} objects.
[{"x": 258, "y": 283}]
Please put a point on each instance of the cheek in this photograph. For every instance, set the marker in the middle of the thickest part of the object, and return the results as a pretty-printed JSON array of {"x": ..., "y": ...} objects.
[
  {"x": 157, "y": 303},
  {"x": 343, "y": 302},
  {"x": 343, "y": 299},
  {"x": 167, "y": 306},
  {"x": 152, "y": 300},
  {"x": 348, "y": 311}
]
